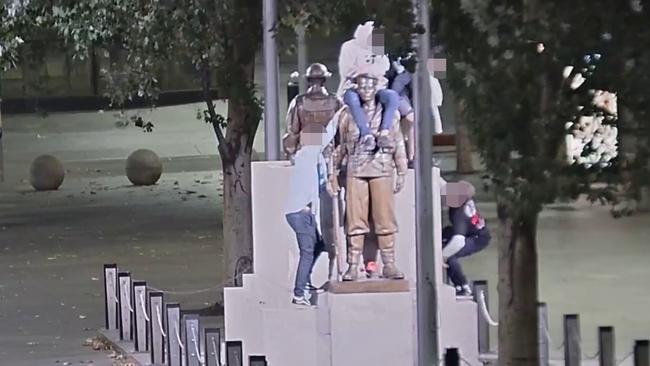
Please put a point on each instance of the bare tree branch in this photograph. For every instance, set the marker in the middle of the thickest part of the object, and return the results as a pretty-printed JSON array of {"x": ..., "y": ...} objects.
[{"x": 224, "y": 150}]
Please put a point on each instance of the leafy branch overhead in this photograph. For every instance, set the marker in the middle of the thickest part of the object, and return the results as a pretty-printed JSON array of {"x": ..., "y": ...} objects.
[{"x": 507, "y": 65}]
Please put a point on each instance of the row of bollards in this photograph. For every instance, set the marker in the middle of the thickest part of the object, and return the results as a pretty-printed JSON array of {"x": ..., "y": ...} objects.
[
  {"x": 606, "y": 355},
  {"x": 573, "y": 354},
  {"x": 143, "y": 168},
  {"x": 170, "y": 336}
]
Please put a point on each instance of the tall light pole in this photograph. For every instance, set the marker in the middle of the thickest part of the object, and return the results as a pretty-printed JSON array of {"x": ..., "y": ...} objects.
[
  {"x": 302, "y": 57},
  {"x": 427, "y": 295},
  {"x": 2, "y": 157},
  {"x": 271, "y": 80}
]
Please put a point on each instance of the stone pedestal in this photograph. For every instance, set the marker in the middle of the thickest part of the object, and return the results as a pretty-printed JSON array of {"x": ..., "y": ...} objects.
[
  {"x": 362, "y": 323},
  {"x": 368, "y": 286},
  {"x": 372, "y": 329}
]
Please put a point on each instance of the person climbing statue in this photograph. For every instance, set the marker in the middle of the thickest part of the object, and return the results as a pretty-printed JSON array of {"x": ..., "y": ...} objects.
[
  {"x": 364, "y": 54},
  {"x": 311, "y": 128},
  {"x": 467, "y": 234}
]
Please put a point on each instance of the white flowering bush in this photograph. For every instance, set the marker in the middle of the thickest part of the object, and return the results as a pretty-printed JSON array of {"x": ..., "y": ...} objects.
[{"x": 592, "y": 135}]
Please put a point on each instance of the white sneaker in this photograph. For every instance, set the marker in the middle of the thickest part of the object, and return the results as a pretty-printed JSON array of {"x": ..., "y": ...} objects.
[
  {"x": 300, "y": 300},
  {"x": 463, "y": 291}
]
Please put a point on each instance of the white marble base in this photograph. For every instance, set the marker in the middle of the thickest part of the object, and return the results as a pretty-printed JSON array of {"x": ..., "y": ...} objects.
[{"x": 355, "y": 328}]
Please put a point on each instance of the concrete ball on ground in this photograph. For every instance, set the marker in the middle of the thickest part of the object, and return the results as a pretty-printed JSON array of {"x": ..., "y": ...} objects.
[
  {"x": 46, "y": 173},
  {"x": 143, "y": 167}
]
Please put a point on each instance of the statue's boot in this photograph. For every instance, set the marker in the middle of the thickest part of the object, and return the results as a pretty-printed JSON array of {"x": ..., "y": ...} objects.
[
  {"x": 387, "y": 251},
  {"x": 354, "y": 256}
]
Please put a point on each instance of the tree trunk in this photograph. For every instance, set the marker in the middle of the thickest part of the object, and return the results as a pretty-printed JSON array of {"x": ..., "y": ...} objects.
[
  {"x": 235, "y": 149},
  {"x": 518, "y": 337},
  {"x": 463, "y": 144},
  {"x": 237, "y": 215}
]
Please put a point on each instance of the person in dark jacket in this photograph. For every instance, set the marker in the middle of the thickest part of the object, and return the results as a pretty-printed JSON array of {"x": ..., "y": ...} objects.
[{"x": 467, "y": 234}]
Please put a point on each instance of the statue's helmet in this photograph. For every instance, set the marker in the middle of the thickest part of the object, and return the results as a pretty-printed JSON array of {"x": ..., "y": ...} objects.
[{"x": 317, "y": 71}]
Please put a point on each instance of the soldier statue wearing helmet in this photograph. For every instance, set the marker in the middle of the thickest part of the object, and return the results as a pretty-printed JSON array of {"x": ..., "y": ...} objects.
[{"x": 309, "y": 113}]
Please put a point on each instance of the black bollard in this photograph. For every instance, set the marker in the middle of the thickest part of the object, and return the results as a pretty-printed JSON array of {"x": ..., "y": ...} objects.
[
  {"x": 606, "y": 346},
  {"x": 212, "y": 347},
  {"x": 257, "y": 361},
  {"x": 452, "y": 357},
  {"x": 642, "y": 353},
  {"x": 234, "y": 353},
  {"x": 483, "y": 326},
  {"x": 572, "y": 350}
]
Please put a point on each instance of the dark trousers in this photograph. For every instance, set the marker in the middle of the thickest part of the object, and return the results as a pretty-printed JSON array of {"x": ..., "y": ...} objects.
[
  {"x": 473, "y": 244},
  {"x": 310, "y": 244}
]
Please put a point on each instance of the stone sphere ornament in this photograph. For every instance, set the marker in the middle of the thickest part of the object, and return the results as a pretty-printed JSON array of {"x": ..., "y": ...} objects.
[
  {"x": 143, "y": 167},
  {"x": 46, "y": 173}
]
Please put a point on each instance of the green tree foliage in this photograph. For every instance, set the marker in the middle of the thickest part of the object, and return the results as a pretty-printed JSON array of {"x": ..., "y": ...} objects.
[
  {"x": 506, "y": 61},
  {"x": 220, "y": 39}
]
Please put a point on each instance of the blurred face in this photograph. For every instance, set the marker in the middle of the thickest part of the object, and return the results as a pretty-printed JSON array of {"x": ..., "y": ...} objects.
[
  {"x": 377, "y": 42},
  {"x": 366, "y": 88},
  {"x": 456, "y": 194}
]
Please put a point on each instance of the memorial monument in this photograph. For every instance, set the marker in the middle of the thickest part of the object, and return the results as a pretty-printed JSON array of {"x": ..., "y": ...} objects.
[
  {"x": 348, "y": 324},
  {"x": 372, "y": 179}
]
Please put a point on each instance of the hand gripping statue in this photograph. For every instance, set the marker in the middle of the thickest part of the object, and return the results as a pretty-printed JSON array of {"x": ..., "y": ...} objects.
[{"x": 372, "y": 179}]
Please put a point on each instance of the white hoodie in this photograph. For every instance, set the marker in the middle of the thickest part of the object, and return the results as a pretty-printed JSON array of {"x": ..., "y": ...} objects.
[
  {"x": 356, "y": 57},
  {"x": 436, "y": 103}
]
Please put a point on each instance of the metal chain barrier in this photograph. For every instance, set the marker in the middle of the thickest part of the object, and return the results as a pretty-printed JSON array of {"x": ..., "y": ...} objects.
[
  {"x": 178, "y": 337},
  {"x": 191, "y": 292},
  {"x": 220, "y": 286},
  {"x": 111, "y": 284},
  {"x": 216, "y": 354},
  {"x": 196, "y": 346},
  {"x": 162, "y": 331},
  {"x": 590, "y": 358},
  {"x": 144, "y": 310},
  {"x": 465, "y": 361},
  {"x": 550, "y": 340},
  {"x": 125, "y": 288},
  {"x": 625, "y": 358},
  {"x": 484, "y": 310}
]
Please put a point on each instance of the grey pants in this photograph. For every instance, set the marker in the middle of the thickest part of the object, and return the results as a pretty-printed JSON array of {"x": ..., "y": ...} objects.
[{"x": 310, "y": 243}]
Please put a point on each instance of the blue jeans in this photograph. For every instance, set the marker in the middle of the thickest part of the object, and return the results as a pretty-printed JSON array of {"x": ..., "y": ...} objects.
[
  {"x": 387, "y": 97},
  {"x": 473, "y": 244},
  {"x": 310, "y": 243}
]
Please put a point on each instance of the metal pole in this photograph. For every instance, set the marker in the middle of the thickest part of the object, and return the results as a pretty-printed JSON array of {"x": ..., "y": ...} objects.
[
  {"x": 427, "y": 298},
  {"x": 572, "y": 350},
  {"x": 642, "y": 353},
  {"x": 302, "y": 58},
  {"x": 452, "y": 357},
  {"x": 606, "y": 346},
  {"x": 483, "y": 326},
  {"x": 271, "y": 81},
  {"x": 542, "y": 331},
  {"x": 2, "y": 157}
]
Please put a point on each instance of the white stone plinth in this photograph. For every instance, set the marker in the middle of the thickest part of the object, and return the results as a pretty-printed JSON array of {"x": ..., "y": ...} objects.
[
  {"x": 372, "y": 329},
  {"x": 343, "y": 329}
]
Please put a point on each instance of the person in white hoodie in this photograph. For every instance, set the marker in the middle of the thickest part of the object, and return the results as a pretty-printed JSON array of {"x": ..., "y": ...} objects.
[{"x": 359, "y": 56}]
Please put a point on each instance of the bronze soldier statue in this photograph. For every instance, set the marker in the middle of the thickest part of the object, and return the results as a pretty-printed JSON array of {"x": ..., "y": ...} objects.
[
  {"x": 310, "y": 112},
  {"x": 372, "y": 179}
]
